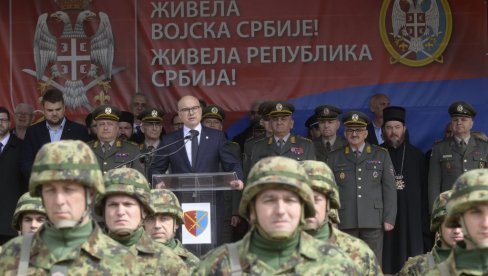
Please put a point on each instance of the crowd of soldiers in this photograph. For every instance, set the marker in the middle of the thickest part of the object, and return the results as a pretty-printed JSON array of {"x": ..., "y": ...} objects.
[{"x": 320, "y": 206}]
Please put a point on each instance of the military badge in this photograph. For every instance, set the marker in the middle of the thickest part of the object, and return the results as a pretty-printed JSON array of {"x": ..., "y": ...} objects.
[
  {"x": 297, "y": 150},
  {"x": 108, "y": 110},
  {"x": 355, "y": 117},
  {"x": 342, "y": 176},
  {"x": 154, "y": 113},
  {"x": 459, "y": 108},
  {"x": 279, "y": 107},
  {"x": 215, "y": 110},
  {"x": 196, "y": 221},
  {"x": 375, "y": 174},
  {"x": 326, "y": 111},
  {"x": 415, "y": 33}
]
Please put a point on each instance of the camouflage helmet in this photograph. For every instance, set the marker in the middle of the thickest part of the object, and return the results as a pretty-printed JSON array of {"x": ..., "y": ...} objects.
[
  {"x": 470, "y": 189},
  {"x": 277, "y": 172},
  {"x": 124, "y": 181},
  {"x": 322, "y": 180},
  {"x": 164, "y": 201},
  {"x": 66, "y": 160},
  {"x": 439, "y": 211},
  {"x": 25, "y": 204}
]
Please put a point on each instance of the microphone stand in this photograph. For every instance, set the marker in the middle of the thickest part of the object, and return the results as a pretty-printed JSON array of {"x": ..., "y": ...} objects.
[{"x": 147, "y": 154}]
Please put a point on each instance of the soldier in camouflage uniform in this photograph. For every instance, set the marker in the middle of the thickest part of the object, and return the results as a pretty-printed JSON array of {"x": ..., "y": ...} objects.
[
  {"x": 112, "y": 152},
  {"x": 326, "y": 197},
  {"x": 276, "y": 200},
  {"x": 163, "y": 223},
  {"x": 468, "y": 207},
  {"x": 65, "y": 174},
  {"x": 282, "y": 142},
  {"x": 446, "y": 239},
  {"x": 29, "y": 215},
  {"x": 455, "y": 155},
  {"x": 124, "y": 207}
]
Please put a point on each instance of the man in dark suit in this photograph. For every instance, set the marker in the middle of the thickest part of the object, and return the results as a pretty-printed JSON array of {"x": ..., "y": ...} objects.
[
  {"x": 364, "y": 175},
  {"x": 55, "y": 127},
  {"x": 213, "y": 148},
  {"x": 11, "y": 183},
  {"x": 377, "y": 103}
]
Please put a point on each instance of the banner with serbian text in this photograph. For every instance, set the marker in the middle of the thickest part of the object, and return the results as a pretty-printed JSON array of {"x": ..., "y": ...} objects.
[{"x": 423, "y": 54}]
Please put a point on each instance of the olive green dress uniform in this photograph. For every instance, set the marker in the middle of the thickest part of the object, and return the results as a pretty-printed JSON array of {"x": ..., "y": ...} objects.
[
  {"x": 97, "y": 255},
  {"x": 119, "y": 153},
  {"x": 322, "y": 153},
  {"x": 327, "y": 113},
  {"x": 366, "y": 185},
  {"x": 149, "y": 116},
  {"x": 449, "y": 160}
]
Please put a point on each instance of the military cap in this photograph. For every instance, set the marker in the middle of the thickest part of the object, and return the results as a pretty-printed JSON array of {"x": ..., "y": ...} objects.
[
  {"x": 462, "y": 109},
  {"x": 355, "y": 119},
  {"x": 280, "y": 108},
  {"x": 25, "y": 204},
  {"x": 66, "y": 160},
  {"x": 263, "y": 109},
  {"x": 394, "y": 113},
  {"x": 469, "y": 190},
  {"x": 151, "y": 115},
  {"x": 213, "y": 111},
  {"x": 327, "y": 112},
  {"x": 311, "y": 121},
  {"x": 106, "y": 112},
  {"x": 280, "y": 173}
]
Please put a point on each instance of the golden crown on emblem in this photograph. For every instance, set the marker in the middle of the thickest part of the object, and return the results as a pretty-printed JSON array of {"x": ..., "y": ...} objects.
[{"x": 73, "y": 4}]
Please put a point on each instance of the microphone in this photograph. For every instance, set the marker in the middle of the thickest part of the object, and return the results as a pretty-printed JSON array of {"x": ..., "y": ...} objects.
[{"x": 146, "y": 155}]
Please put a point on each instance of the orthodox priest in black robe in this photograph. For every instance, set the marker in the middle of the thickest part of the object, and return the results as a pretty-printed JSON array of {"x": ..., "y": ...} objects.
[{"x": 406, "y": 239}]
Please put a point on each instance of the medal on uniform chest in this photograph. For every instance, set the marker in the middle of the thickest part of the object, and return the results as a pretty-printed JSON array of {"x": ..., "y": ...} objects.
[{"x": 399, "y": 182}]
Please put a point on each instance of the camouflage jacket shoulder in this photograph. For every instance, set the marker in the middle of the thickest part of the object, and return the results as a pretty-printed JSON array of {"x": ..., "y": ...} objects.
[
  {"x": 418, "y": 265},
  {"x": 98, "y": 255},
  {"x": 451, "y": 267},
  {"x": 189, "y": 258},
  {"x": 313, "y": 257},
  {"x": 357, "y": 250},
  {"x": 157, "y": 259}
]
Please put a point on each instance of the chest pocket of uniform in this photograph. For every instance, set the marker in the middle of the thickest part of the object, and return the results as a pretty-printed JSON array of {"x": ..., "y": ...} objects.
[
  {"x": 480, "y": 160},
  {"x": 447, "y": 163},
  {"x": 121, "y": 157},
  {"x": 343, "y": 174},
  {"x": 374, "y": 171}
]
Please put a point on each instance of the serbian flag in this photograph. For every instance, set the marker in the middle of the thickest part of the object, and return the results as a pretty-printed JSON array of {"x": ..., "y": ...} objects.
[{"x": 197, "y": 228}]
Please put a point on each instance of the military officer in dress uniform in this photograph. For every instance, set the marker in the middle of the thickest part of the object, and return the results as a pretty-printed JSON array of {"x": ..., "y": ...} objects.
[
  {"x": 112, "y": 152},
  {"x": 328, "y": 119},
  {"x": 453, "y": 156},
  {"x": 364, "y": 174},
  {"x": 151, "y": 126},
  {"x": 282, "y": 142}
]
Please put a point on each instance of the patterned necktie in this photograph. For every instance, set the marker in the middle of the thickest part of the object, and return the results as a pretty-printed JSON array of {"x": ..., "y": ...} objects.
[
  {"x": 194, "y": 147},
  {"x": 357, "y": 153},
  {"x": 462, "y": 145},
  {"x": 328, "y": 148}
]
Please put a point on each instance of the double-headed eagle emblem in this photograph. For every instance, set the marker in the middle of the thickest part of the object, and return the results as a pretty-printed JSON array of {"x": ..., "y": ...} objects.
[{"x": 73, "y": 57}]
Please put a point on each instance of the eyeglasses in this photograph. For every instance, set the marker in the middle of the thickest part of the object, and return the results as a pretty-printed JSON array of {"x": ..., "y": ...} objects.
[
  {"x": 190, "y": 110},
  {"x": 354, "y": 130}
]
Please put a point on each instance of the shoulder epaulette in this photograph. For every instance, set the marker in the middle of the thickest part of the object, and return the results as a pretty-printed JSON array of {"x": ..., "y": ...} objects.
[
  {"x": 270, "y": 140},
  {"x": 376, "y": 147},
  {"x": 141, "y": 146},
  {"x": 293, "y": 139},
  {"x": 118, "y": 143},
  {"x": 303, "y": 138}
]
